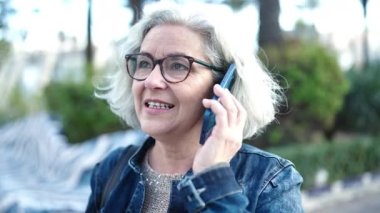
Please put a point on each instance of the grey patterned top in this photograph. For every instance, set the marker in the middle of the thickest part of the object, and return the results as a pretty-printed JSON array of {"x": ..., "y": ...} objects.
[{"x": 157, "y": 189}]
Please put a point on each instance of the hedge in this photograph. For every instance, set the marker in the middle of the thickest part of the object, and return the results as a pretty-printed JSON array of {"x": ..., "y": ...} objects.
[{"x": 341, "y": 159}]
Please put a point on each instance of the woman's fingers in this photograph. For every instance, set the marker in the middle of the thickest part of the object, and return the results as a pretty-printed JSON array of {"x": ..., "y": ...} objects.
[
  {"x": 242, "y": 113},
  {"x": 220, "y": 112},
  {"x": 228, "y": 101},
  {"x": 229, "y": 113},
  {"x": 226, "y": 137}
]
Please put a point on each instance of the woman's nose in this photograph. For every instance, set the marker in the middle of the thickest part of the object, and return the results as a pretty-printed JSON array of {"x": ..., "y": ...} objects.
[{"x": 155, "y": 80}]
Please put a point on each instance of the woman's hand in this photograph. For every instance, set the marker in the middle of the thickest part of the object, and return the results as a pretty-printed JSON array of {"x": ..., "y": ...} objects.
[{"x": 227, "y": 135}]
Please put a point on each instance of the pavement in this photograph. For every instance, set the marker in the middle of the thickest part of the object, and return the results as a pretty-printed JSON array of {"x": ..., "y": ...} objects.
[{"x": 359, "y": 194}]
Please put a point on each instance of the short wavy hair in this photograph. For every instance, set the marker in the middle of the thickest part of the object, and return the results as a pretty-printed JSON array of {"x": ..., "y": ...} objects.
[{"x": 253, "y": 87}]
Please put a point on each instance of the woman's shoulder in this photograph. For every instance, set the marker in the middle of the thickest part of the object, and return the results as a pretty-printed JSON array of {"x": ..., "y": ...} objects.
[
  {"x": 136, "y": 140},
  {"x": 249, "y": 151},
  {"x": 251, "y": 161},
  {"x": 270, "y": 178},
  {"x": 115, "y": 156}
]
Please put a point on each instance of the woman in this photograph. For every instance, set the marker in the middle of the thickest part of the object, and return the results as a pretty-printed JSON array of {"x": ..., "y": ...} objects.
[{"x": 172, "y": 62}]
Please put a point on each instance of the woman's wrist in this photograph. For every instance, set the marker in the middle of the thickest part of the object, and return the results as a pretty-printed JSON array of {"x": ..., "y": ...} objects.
[{"x": 215, "y": 166}]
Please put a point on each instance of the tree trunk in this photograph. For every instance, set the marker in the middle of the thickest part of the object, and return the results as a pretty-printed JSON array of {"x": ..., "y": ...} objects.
[
  {"x": 89, "y": 47},
  {"x": 365, "y": 36},
  {"x": 269, "y": 31},
  {"x": 136, "y": 6},
  {"x": 89, "y": 50}
]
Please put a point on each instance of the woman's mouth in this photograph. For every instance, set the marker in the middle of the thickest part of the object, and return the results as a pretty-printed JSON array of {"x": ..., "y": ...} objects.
[{"x": 158, "y": 105}]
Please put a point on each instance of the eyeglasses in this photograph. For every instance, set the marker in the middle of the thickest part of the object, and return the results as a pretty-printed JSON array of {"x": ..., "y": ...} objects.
[{"x": 174, "y": 68}]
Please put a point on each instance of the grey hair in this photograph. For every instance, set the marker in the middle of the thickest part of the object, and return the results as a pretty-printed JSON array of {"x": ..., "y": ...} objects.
[{"x": 254, "y": 87}]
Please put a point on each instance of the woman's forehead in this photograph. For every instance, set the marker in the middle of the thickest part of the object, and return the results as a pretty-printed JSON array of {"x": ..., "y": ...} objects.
[{"x": 164, "y": 40}]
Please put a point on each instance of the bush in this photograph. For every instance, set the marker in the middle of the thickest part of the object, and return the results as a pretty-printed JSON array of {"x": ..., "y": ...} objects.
[
  {"x": 361, "y": 110},
  {"x": 341, "y": 159},
  {"x": 315, "y": 88},
  {"x": 82, "y": 115},
  {"x": 14, "y": 107},
  {"x": 5, "y": 50}
]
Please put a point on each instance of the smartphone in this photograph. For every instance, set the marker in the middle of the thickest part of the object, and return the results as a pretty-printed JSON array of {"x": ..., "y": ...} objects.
[{"x": 209, "y": 116}]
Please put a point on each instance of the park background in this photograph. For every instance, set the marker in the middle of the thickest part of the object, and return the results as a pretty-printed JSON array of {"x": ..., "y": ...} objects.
[{"x": 325, "y": 53}]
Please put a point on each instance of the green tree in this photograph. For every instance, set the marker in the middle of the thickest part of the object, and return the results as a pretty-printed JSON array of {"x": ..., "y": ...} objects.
[
  {"x": 82, "y": 115},
  {"x": 5, "y": 45},
  {"x": 5, "y": 49},
  {"x": 315, "y": 90},
  {"x": 361, "y": 111},
  {"x": 236, "y": 4},
  {"x": 4, "y": 11}
]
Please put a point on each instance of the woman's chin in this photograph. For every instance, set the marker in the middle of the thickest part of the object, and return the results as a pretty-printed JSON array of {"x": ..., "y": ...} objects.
[{"x": 156, "y": 131}]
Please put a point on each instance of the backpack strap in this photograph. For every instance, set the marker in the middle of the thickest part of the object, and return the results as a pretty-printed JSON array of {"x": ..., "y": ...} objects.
[{"x": 115, "y": 174}]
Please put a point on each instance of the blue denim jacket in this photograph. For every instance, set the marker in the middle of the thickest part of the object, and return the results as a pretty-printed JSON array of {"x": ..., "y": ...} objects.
[{"x": 255, "y": 181}]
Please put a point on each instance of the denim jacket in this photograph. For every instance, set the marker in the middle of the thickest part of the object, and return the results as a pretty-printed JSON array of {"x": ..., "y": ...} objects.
[{"x": 255, "y": 181}]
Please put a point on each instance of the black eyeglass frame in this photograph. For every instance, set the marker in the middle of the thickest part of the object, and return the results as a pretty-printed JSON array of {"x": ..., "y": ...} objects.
[{"x": 159, "y": 62}]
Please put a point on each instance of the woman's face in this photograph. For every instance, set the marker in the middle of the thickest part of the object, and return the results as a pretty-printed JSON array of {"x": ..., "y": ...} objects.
[{"x": 165, "y": 109}]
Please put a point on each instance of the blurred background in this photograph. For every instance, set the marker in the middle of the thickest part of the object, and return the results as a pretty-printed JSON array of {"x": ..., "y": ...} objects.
[{"x": 325, "y": 53}]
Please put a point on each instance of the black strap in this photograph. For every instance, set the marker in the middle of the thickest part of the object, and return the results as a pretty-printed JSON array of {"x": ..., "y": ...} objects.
[{"x": 115, "y": 174}]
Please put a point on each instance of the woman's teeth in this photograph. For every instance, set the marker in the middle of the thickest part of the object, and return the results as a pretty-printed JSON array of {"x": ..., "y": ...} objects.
[{"x": 157, "y": 105}]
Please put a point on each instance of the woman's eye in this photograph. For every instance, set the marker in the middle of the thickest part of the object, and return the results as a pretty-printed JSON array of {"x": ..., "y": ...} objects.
[
  {"x": 144, "y": 64},
  {"x": 178, "y": 66}
]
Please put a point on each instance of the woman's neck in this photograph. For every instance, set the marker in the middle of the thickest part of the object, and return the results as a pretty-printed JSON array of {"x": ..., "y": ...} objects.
[{"x": 172, "y": 157}]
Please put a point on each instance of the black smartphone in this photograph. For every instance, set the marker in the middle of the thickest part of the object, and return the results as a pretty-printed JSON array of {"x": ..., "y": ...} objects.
[{"x": 209, "y": 116}]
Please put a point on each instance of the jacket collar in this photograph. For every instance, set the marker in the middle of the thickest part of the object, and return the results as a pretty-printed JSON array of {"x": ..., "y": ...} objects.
[
  {"x": 138, "y": 157},
  {"x": 136, "y": 160}
]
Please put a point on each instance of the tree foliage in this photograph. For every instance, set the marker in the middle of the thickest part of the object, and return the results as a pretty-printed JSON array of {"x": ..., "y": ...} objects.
[
  {"x": 315, "y": 86},
  {"x": 236, "y": 4},
  {"x": 361, "y": 110},
  {"x": 19, "y": 106},
  {"x": 5, "y": 49},
  {"x": 83, "y": 116}
]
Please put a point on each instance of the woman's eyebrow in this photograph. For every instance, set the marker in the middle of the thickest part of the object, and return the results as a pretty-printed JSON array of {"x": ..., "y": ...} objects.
[{"x": 175, "y": 53}]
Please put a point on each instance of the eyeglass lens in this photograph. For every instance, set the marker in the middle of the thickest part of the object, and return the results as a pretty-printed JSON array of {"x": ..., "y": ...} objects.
[{"x": 173, "y": 68}]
